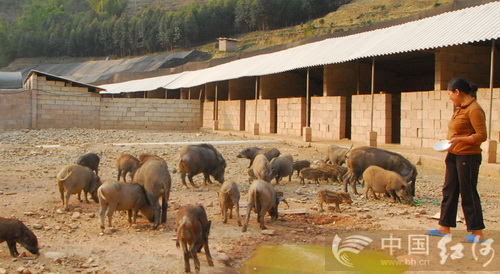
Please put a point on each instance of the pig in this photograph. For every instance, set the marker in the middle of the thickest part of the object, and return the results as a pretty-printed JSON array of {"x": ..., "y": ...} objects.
[
  {"x": 312, "y": 174},
  {"x": 337, "y": 155},
  {"x": 361, "y": 158},
  {"x": 14, "y": 231},
  {"x": 337, "y": 172},
  {"x": 282, "y": 166},
  {"x": 331, "y": 197},
  {"x": 193, "y": 228},
  {"x": 251, "y": 152},
  {"x": 261, "y": 169},
  {"x": 154, "y": 176},
  {"x": 380, "y": 180},
  {"x": 90, "y": 160},
  {"x": 229, "y": 197},
  {"x": 262, "y": 198},
  {"x": 75, "y": 178},
  {"x": 126, "y": 163},
  {"x": 123, "y": 196},
  {"x": 299, "y": 165},
  {"x": 202, "y": 158}
]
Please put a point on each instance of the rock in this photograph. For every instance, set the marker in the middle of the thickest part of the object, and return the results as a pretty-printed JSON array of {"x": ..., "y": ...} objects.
[
  {"x": 270, "y": 232},
  {"x": 222, "y": 257},
  {"x": 28, "y": 213},
  {"x": 211, "y": 204},
  {"x": 92, "y": 215},
  {"x": 59, "y": 211},
  {"x": 299, "y": 192},
  {"x": 109, "y": 231},
  {"x": 421, "y": 211},
  {"x": 54, "y": 255},
  {"x": 75, "y": 215},
  {"x": 37, "y": 226}
]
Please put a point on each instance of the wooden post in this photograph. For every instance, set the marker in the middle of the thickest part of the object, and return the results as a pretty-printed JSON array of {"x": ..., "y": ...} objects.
[{"x": 372, "y": 136}]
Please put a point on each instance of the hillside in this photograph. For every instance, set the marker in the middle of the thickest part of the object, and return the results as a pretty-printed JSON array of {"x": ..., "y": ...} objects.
[
  {"x": 358, "y": 13},
  {"x": 135, "y": 6}
]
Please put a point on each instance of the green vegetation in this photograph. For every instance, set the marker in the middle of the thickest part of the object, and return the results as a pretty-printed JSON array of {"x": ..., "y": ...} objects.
[{"x": 79, "y": 28}]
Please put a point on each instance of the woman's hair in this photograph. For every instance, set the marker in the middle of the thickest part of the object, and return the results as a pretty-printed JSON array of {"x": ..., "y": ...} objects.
[{"x": 462, "y": 85}]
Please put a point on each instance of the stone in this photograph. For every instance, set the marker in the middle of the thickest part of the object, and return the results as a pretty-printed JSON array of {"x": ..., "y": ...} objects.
[
  {"x": 54, "y": 255},
  {"x": 37, "y": 226},
  {"x": 109, "y": 231},
  {"x": 29, "y": 213},
  {"x": 76, "y": 215},
  {"x": 222, "y": 257},
  {"x": 270, "y": 232},
  {"x": 421, "y": 211}
]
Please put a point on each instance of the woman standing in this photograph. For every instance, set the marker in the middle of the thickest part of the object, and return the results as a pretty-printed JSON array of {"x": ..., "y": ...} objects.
[{"x": 466, "y": 132}]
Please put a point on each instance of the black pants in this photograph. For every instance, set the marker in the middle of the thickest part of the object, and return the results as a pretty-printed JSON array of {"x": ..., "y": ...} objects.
[{"x": 462, "y": 172}]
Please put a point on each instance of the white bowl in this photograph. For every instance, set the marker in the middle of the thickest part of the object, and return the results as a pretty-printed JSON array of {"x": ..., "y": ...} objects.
[{"x": 442, "y": 145}]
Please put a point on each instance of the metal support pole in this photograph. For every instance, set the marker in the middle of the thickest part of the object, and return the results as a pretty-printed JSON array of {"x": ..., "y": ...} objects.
[
  {"x": 372, "y": 91},
  {"x": 308, "y": 98},
  {"x": 216, "y": 104},
  {"x": 256, "y": 96},
  {"x": 372, "y": 135},
  {"x": 492, "y": 70}
]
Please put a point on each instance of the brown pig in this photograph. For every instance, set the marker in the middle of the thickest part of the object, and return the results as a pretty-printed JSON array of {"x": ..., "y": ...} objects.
[
  {"x": 124, "y": 196},
  {"x": 75, "y": 178},
  {"x": 260, "y": 169},
  {"x": 154, "y": 176},
  {"x": 380, "y": 180},
  {"x": 332, "y": 197},
  {"x": 14, "y": 231},
  {"x": 126, "y": 163},
  {"x": 193, "y": 228},
  {"x": 229, "y": 197}
]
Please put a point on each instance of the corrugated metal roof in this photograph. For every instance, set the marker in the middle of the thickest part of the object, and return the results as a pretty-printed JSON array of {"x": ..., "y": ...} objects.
[
  {"x": 75, "y": 83},
  {"x": 11, "y": 80},
  {"x": 474, "y": 24}
]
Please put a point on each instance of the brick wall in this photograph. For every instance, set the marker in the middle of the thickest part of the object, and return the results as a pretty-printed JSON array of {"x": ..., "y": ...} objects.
[
  {"x": 59, "y": 105},
  {"x": 158, "y": 114},
  {"x": 15, "y": 109},
  {"x": 231, "y": 115},
  {"x": 467, "y": 61},
  {"x": 328, "y": 117},
  {"x": 361, "y": 117},
  {"x": 266, "y": 115},
  {"x": 291, "y": 116},
  {"x": 208, "y": 114},
  {"x": 425, "y": 116}
]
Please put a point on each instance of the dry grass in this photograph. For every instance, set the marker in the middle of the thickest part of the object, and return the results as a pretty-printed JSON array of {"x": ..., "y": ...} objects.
[{"x": 356, "y": 14}]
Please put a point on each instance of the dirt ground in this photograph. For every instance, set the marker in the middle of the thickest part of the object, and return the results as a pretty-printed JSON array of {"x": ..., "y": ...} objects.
[{"x": 73, "y": 241}]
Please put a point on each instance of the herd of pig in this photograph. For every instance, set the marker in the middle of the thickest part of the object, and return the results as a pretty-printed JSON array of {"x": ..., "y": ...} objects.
[{"x": 382, "y": 172}]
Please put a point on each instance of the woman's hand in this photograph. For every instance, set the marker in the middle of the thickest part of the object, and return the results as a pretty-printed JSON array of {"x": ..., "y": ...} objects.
[{"x": 457, "y": 140}]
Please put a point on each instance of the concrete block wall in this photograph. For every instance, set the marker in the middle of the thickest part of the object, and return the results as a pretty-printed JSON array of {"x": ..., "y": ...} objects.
[
  {"x": 328, "y": 117},
  {"x": 208, "y": 115},
  {"x": 361, "y": 117},
  {"x": 15, "y": 109},
  {"x": 291, "y": 116},
  {"x": 266, "y": 115},
  {"x": 59, "y": 105},
  {"x": 467, "y": 61},
  {"x": 157, "y": 114},
  {"x": 425, "y": 116},
  {"x": 231, "y": 115}
]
